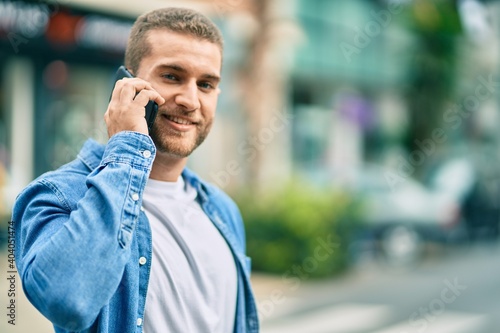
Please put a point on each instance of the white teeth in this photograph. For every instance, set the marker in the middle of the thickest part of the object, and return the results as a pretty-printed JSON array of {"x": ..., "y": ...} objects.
[{"x": 179, "y": 120}]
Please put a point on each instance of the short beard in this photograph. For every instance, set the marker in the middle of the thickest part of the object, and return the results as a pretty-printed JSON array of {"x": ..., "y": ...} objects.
[{"x": 169, "y": 143}]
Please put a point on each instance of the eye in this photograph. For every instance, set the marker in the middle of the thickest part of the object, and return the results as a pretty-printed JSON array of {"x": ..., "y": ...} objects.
[
  {"x": 206, "y": 85},
  {"x": 171, "y": 77}
]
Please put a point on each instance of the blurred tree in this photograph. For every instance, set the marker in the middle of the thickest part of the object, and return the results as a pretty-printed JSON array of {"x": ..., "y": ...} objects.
[
  {"x": 433, "y": 67},
  {"x": 265, "y": 76},
  {"x": 253, "y": 91},
  {"x": 290, "y": 223}
]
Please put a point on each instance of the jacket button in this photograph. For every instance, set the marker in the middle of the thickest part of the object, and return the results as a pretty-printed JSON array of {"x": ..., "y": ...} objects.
[
  {"x": 146, "y": 154},
  {"x": 135, "y": 196},
  {"x": 139, "y": 321},
  {"x": 142, "y": 260}
]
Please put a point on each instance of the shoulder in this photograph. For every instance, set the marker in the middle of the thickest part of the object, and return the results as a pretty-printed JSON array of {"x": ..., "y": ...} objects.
[
  {"x": 62, "y": 187},
  {"x": 65, "y": 185}
]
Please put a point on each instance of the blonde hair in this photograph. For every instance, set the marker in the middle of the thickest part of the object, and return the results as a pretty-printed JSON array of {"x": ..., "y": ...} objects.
[{"x": 180, "y": 20}]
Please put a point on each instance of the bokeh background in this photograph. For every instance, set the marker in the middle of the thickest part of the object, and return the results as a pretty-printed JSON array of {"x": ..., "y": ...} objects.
[{"x": 359, "y": 138}]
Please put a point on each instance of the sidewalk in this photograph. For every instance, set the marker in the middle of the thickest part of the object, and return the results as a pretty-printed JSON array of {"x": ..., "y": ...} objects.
[
  {"x": 27, "y": 318},
  {"x": 277, "y": 296}
]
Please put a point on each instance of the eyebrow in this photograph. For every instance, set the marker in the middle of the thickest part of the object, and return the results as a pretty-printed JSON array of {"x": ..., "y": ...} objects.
[{"x": 181, "y": 69}]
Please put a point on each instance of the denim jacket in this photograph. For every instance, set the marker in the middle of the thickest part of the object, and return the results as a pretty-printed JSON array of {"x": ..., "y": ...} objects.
[{"x": 84, "y": 246}]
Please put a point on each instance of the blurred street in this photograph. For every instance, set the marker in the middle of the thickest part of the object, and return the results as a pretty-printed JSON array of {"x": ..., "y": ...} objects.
[{"x": 456, "y": 292}]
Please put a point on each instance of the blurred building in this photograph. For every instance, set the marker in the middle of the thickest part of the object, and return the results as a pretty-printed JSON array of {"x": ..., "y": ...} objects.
[
  {"x": 346, "y": 84},
  {"x": 375, "y": 77}
]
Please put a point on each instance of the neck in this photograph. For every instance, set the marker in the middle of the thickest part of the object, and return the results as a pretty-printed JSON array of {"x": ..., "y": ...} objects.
[{"x": 167, "y": 168}]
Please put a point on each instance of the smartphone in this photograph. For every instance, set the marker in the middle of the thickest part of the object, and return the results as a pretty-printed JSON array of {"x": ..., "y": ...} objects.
[{"x": 151, "y": 108}]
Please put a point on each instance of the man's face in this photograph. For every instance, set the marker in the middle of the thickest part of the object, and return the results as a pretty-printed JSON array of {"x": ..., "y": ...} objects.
[{"x": 185, "y": 71}]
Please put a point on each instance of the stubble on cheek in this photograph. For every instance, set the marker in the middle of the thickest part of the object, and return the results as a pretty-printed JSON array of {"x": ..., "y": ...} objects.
[{"x": 180, "y": 144}]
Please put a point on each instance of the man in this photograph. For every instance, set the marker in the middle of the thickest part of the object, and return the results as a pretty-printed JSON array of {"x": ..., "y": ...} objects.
[{"x": 125, "y": 238}]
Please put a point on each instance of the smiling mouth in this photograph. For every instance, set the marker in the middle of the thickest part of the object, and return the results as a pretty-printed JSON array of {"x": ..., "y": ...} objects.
[{"x": 180, "y": 121}]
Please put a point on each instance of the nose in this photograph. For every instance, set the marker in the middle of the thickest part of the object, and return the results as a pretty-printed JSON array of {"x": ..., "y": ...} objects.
[{"x": 188, "y": 96}]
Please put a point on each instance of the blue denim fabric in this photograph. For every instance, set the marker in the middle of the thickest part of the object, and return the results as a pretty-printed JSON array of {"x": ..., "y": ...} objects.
[{"x": 80, "y": 232}]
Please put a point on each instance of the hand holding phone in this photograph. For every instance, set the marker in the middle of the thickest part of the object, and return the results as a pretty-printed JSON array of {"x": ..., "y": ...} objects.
[{"x": 151, "y": 109}]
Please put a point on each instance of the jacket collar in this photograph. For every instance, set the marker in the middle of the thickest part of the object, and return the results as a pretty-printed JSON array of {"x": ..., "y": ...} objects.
[
  {"x": 91, "y": 155},
  {"x": 201, "y": 186}
]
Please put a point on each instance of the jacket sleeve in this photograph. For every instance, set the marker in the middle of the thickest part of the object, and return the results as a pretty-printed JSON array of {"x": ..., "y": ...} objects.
[{"x": 71, "y": 260}]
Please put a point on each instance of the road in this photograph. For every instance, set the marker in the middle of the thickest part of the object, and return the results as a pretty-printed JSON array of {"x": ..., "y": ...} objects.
[{"x": 455, "y": 292}]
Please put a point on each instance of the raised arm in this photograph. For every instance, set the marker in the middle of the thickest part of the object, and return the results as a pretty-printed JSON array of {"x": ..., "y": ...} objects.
[{"x": 74, "y": 231}]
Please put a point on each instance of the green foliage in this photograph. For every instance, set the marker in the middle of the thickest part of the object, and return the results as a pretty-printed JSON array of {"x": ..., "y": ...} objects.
[
  {"x": 431, "y": 17},
  {"x": 298, "y": 229}
]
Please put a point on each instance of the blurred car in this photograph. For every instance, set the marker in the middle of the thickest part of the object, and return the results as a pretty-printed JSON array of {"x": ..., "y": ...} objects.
[
  {"x": 475, "y": 191},
  {"x": 399, "y": 220}
]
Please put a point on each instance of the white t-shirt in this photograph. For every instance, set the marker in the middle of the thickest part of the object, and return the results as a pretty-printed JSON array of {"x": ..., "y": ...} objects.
[{"x": 192, "y": 286}]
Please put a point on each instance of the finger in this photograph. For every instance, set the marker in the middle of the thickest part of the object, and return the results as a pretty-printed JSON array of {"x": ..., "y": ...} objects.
[
  {"x": 136, "y": 82},
  {"x": 153, "y": 95},
  {"x": 148, "y": 95},
  {"x": 127, "y": 88},
  {"x": 159, "y": 99}
]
